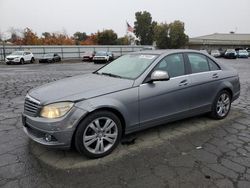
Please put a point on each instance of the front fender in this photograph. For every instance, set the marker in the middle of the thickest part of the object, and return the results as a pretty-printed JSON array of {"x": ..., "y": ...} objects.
[{"x": 125, "y": 102}]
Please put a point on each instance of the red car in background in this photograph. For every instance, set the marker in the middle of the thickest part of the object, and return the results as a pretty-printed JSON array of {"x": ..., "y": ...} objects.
[{"x": 88, "y": 56}]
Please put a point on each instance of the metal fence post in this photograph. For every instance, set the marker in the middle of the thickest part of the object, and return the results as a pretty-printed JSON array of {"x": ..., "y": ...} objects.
[
  {"x": 79, "y": 52},
  {"x": 4, "y": 55},
  {"x": 62, "y": 51}
]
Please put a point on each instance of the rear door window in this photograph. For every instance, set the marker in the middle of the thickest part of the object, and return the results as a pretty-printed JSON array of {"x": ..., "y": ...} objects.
[
  {"x": 198, "y": 62},
  {"x": 212, "y": 65}
]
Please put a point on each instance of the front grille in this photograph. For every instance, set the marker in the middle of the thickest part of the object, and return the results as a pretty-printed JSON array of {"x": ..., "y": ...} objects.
[
  {"x": 10, "y": 59},
  {"x": 31, "y": 107}
]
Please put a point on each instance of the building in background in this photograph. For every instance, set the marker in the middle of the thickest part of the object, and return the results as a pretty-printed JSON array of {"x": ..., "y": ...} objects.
[{"x": 220, "y": 41}]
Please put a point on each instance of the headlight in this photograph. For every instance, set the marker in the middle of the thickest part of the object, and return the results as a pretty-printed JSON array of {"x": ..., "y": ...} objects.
[{"x": 56, "y": 110}]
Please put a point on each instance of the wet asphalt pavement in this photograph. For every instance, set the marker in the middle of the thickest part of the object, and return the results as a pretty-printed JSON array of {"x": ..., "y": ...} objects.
[{"x": 196, "y": 152}]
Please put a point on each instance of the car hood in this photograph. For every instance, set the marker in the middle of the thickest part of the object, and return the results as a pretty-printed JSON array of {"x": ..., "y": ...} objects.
[
  {"x": 13, "y": 56},
  {"x": 47, "y": 58},
  {"x": 101, "y": 56},
  {"x": 79, "y": 88}
]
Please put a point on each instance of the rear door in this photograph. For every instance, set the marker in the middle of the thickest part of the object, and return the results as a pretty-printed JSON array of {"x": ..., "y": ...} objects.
[
  {"x": 164, "y": 100},
  {"x": 205, "y": 75}
]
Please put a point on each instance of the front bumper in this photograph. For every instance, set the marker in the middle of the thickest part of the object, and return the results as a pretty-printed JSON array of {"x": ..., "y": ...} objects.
[
  {"x": 60, "y": 130},
  {"x": 12, "y": 61},
  {"x": 243, "y": 56},
  {"x": 45, "y": 60}
]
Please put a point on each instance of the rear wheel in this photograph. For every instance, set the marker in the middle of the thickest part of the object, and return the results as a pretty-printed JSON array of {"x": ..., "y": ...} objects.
[
  {"x": 98, "y": 134},
  {"x": 221, "y": 105},
  {"x": 32, "y": 60}
]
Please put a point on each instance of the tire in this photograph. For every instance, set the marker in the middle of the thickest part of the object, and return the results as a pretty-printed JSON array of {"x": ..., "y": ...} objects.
[
  {"x": 221, "y": 105},
  {"x": 103, "y": 129},
  {"x": 21, "y": 61},
  {"x": 53, "y": 61},
  {"x": 32, "y": 60}
]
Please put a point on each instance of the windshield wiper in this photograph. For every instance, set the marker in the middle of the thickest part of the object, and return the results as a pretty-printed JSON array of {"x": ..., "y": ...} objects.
[{"x": 110, "y": 74}]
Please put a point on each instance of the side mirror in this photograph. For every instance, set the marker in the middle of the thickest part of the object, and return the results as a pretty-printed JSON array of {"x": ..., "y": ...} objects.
[{"x": 159, "y": 75}]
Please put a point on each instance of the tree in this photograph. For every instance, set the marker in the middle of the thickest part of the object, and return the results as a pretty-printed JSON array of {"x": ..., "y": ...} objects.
[
  {"x": 46, "y": 35},
  {"x": 91, "y": 40},
  {"x": 106, "y": 37},
  {"x": 144, "y": 27},
  {"x": 123, "y": 40},
  {"x": 161, "y": 36},
  {"x": 29, "y": 37},
  {"x": 177, "y": 35},
  {"x": 79, "y": 37}
]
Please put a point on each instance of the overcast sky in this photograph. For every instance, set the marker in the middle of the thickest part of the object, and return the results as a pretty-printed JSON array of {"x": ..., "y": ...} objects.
[{"x": 201, "y": 17}]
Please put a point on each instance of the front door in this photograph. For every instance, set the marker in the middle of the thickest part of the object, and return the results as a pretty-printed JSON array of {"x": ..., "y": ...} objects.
[{"x": 162, "y": 101}]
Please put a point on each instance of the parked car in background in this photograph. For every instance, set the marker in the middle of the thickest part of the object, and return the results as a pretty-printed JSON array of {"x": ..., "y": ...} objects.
[
  {"x": 204, "y": 51},
  {"x": 102, "y": 57},
  {"x": 88, "y": 56},
  {"x": 134, "y": 92},
  {"x": 215, "y": 53},
  {"x": 20, "y": 57},
  {"x": 230, "y": 54},
  {"x": 248, "y": 50},
  {"x": 222, "y": 52},
  {"x": 50, "y": 58},
  {"x": 111, "y": 56},
  {"x": 242, "y": 54}
]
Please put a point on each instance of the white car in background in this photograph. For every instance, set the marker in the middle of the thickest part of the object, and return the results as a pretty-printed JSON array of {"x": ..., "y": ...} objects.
[
  {"x": 215, "y": 53},
  {"x": 104, "y": 57},
  {"x": 20, "y": 57}
]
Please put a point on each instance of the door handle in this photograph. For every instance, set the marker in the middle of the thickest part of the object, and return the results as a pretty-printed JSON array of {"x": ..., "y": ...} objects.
[
  {"x": 215, "y": 75},
  {"x": 183, "y": 83}
]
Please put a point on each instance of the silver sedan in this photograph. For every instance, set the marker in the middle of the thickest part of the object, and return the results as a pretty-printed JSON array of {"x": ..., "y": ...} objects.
[{"x": 134, "y": 92}]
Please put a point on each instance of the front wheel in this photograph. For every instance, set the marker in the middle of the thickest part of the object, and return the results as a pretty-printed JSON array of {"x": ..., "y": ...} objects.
[
  {"x": 21, "y": 61},
  {"x": 221, "y": 105},
  {"x": 98, "y": 134}
]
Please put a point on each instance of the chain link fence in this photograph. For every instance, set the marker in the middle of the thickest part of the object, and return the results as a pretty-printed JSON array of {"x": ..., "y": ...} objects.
[{"x": 70, "y": 52}]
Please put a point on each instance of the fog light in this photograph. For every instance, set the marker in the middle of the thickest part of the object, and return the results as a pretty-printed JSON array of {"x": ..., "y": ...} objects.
[{"x": 48, "y": 137}]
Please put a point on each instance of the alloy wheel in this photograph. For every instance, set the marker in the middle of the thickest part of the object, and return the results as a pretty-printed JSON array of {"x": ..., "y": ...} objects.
[
  {"x": 100, "y": 135},
  {"x": 223, "y": 105}
]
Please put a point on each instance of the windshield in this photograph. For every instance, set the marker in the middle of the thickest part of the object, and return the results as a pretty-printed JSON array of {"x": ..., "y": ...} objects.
[
  {"x": 48, "y": 55},
  {"x": 128, "y": 66},
  {"x": 101, "y": 54},
  {"x": 215, "y": 51},
  {"x": 17, "y": 53},
  {"x": 230, "y": 50},
  {"x": 242, "y": 51}
]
